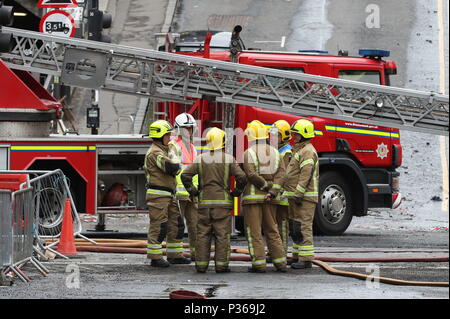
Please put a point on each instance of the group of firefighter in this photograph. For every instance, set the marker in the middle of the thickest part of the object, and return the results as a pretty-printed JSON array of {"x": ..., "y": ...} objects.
[{"x": 278, "y": 190}]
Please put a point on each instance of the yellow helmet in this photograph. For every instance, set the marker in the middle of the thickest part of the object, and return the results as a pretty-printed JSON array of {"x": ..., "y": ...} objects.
[
  {"x": 282, "y": 127},
  {"x": 215, "y": 139},
  {"x": 303, "y": 127},
  {"x": 160, "y": 128},
  {"x": 256, "y": 131}
]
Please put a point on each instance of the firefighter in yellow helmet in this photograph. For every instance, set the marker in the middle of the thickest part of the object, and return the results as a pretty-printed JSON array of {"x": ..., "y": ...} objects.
[
  {"x": 214, "y": 169},
  {"x": 165, "y": 217},
  {"x": 281, "y": 133},
  {"x": 301, "y": 186},
  {"x": 265, "y": 172},
  {"x": 182, "y": 146}
]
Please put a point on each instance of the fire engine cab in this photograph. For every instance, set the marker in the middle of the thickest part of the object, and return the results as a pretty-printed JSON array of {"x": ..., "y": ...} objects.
[{"x": 357, "y": 161}]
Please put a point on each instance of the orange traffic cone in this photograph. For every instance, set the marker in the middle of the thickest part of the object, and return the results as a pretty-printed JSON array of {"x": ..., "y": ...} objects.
[{"x": 66, "y": 244}]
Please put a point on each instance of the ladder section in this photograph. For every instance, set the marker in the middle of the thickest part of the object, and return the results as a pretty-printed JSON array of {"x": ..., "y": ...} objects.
[{"x": 178, "y": 78}]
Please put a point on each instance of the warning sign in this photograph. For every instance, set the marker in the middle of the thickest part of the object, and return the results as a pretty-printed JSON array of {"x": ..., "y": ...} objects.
[
  {"x": 58, "y": 22},
  {"x": 57, "y": 3}
]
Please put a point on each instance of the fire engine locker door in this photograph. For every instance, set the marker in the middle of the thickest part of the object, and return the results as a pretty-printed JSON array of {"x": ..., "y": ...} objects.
[{"x": 4, "y": 158}]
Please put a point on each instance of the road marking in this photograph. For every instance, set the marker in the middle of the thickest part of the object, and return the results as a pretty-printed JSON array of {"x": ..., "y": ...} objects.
[{"x": 443, "y": 152}]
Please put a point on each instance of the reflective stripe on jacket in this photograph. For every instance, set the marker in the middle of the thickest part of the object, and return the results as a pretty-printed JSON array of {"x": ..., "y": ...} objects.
[
  {"x": 155, "y": 171},
  {"x": 265, "y": 172},
  {"x": 214, "y": 169},
  {"x": 302, "y": 174}
]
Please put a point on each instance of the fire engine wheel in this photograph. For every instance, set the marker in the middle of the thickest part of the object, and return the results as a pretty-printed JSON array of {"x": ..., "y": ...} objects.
[
  {"x": 334, "y": 210},
  {"x": 50, "y": 203}
]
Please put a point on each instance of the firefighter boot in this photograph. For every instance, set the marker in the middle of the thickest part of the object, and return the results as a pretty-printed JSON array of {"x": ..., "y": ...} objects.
[
  {"x": 256, "y": 270},
  {"x": 160, "y": 263},
  {"x": 301, "y": 265},
  {"x": 281, "y": 269},
  {"x": 179, "y": 261},
  {"x": 292, "y": 260}
]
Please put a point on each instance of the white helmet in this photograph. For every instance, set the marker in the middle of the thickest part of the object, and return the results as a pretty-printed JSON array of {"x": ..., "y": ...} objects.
[{"x": 185, "y": 120}]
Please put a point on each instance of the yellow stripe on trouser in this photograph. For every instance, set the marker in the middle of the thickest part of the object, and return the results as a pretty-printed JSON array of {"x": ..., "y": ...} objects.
[
  {"x": 279, "y": 260},
  {"x": 201, "y": 264},
  {"x": 306, "y": 250},
  {"x": 255, "y": 262},
  {"x": 154, "y": 249},
  {"x": 295, "y": 249},
  {"x": 175, "y": 248}
]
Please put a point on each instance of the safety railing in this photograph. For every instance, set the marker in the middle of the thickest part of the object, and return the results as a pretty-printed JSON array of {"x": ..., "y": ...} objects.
[
  {"x": 51, "y": 189},
  {"x": 5, "y": 222},
  {"x": 17, "y": 232}
]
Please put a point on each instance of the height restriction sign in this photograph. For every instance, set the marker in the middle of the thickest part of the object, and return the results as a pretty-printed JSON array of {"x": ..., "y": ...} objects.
[
  {"x": 57, "y": 3},
  {"x": 58, "y": 22}
]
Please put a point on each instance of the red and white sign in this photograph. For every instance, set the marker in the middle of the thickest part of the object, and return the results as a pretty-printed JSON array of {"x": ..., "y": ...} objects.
[
  {"x": 57, "y": 3},
  {"x": 58, "y": 22}
]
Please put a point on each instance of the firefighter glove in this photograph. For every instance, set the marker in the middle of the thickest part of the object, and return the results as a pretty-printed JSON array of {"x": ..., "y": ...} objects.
[
  {"x": 267, "y": 187},
  {"x": 235, "y": 192},
  {"x": 172, "y": 168},
  {"x": 193, "y": 192}
]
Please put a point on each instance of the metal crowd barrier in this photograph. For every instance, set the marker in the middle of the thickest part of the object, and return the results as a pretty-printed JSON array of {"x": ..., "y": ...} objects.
[
  {"x": 51, "y": 189},
  {"x": 16, "y": 231}
]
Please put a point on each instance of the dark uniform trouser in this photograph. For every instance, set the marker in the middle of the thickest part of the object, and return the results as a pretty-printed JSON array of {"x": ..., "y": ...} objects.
[
  {"x": 213, "y": 222},
  {"x": 260, "y": 218},
  {"x": 301, "y": 229},
  {"x": 165, "y": 222},
  {"x": 189, "y": 212},
  {"x": 283, "y": 225}
]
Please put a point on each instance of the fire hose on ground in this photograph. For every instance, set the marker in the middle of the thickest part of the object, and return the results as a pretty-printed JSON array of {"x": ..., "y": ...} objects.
[{"x": 127, "y": 246}]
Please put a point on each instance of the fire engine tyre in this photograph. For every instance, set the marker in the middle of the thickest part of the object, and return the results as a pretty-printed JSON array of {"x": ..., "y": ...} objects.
[
  {"x": 334, "y": 209},
  {"x": 51, "y": 211}
]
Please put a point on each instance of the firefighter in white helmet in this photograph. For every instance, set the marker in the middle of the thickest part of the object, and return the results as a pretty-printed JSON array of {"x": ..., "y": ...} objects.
[
  {"x": 301, "y": 186},
  {"x": 182, "y": 146},
  {"x": 165, "y": 218}
]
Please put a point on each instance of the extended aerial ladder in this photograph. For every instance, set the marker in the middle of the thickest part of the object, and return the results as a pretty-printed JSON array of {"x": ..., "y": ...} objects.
[{"x": 173, "y": 77}]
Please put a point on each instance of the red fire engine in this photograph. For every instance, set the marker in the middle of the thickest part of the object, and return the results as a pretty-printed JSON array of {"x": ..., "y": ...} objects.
[{"x": 357, "y": 161}]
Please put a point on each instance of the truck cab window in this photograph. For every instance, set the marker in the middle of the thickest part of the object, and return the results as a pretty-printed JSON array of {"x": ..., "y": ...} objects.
[
  {"x": 372, "y": 77},
  {"x": 274, "y": 81}
]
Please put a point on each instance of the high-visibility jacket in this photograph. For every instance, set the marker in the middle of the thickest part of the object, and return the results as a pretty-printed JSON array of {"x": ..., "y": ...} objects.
[
  {"x": 214, "y": 169},
  {"x": 160, "y": 182},
  {"x": 265, "y": 172},
  {"x": 286, "y": 154},
  {"x": 185, "y": 158},
  {"x": 302, "y": 174}
]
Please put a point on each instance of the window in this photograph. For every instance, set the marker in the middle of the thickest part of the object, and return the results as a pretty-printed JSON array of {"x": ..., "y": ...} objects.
[
  {"x": 276, "y": 81},
  {"x": 372, "y": 77}
]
